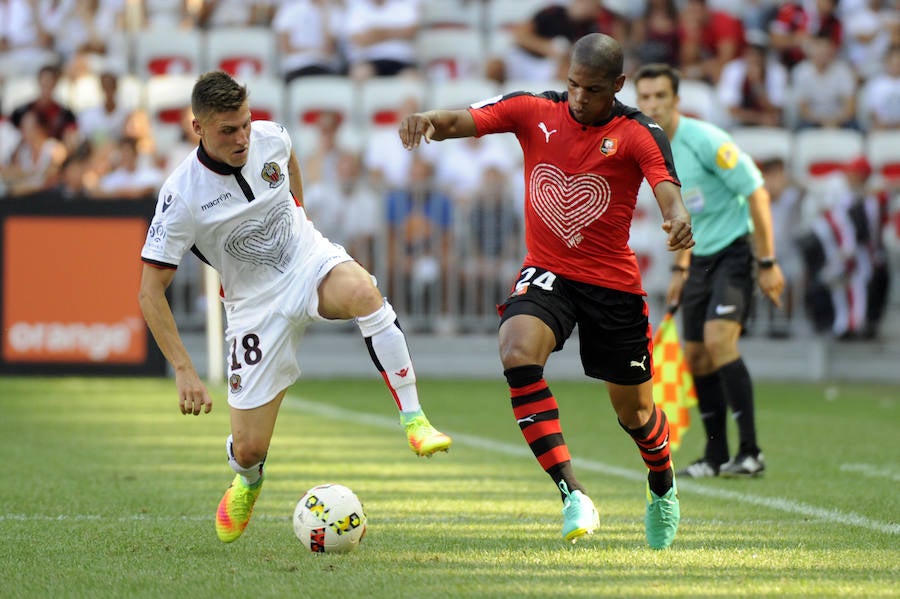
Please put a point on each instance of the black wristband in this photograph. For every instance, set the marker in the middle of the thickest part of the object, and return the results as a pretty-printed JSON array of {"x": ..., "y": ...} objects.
[
  {"x": 677, "y": 268},
  {"x": 765, "y": 263}
]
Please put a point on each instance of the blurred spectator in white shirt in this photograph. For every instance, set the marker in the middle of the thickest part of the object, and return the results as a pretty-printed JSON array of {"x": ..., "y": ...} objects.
[
  {"x": 35, "y": 163},
  {"x": 824, "y": 87},
  {"x": 25, "y": 45},
  {"x": 380, "y": 37},
  {"x": 234, "y": 13},
  {"x": 752, "y": 87},
  {"x": 307, "y": 39},
  {"x": 881, "y": 95},
  {"x": 130, "y": 179},
  {"x": 866, "y": 37},
  {"x": 104, "y": 123}
]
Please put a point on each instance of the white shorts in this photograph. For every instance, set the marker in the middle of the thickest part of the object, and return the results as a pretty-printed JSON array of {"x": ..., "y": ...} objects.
[{"x": 263, "y": 340}]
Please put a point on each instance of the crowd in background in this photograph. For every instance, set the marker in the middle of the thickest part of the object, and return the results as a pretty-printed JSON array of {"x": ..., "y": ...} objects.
[{"x": 443, "y": 226}]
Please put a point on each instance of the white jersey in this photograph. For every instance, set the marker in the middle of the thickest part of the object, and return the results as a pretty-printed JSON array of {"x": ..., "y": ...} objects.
[{"x": 244, "y": 222}]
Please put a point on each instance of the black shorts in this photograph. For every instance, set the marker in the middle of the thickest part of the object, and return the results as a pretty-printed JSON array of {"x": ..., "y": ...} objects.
[
  {"x": 719, "y": 286},
  {"x": 613, "y": 326}
]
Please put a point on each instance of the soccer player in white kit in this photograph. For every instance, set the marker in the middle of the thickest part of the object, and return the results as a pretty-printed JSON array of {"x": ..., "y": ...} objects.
[{"x": 237, "y": 203}]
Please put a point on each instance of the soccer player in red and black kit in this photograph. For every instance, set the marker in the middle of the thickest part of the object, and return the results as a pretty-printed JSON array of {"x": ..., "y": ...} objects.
[{"x": 585, "y": 157}]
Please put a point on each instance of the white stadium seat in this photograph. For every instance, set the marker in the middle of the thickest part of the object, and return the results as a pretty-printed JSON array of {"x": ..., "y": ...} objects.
[
  {"x": 765, "y": 143},
  {"x": 242, "y": 51},
  {"x": 459, "y": 93},
  {"x": 166, "y": 99},
  {"x": 164, "y": 52},
  {"x": 382, "y": 100},
  {"x": 883, "y": 153},
  {"x": 450, "y": 53},
  {"x": 309, "y": 97},
  {"x": 820, "y": 152}
]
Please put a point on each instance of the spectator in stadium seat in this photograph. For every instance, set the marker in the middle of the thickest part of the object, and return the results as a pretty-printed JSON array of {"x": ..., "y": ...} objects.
[
  {"x": 25, "y": 44},
  {"x": 752, "y": 87},
  {"x": 320, "y": 162},
  {"x": 307, "y": 38},
  {"x": 490, "y": 240},
  {"x": 655, "y": 36},
  {"x": 58, "y": 120},
  {"x": 585, "y": 156},
  {"x": 106, "y": 122},
  {"x": 787, "y": 218},
  {"x": 709, "y": 39},
  {"x": 379, "y": 37},
  {"x": 279, "y": 275},
  {"x": 541, "y": 44},
  {"x": 881, "y": 95},
  {"x": 420, "y": 220},
  {"x": 713, "y": 282},
  {"x": 346, "y": 209},
  {"x": 234, "y": 13},
  {"x": 789, "y": 31},
  {"x": 35, "y": 163},
  {"x": 866, "y": 36},
  {"x": 824, "y": 87},
  {"x": 131, "y": 178}
]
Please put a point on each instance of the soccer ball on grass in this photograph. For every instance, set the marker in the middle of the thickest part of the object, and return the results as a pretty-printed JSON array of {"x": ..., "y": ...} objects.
[{"x": 329, "y": 518}]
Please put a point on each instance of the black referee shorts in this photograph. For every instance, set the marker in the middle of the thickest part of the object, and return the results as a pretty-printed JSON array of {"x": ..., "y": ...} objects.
[
  {"x": 613, "y": 326},
  {"x": 719, "y": 286}
]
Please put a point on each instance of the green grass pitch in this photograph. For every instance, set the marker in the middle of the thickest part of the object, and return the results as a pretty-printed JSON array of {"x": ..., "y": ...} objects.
[{"x": 108, "y": 491}]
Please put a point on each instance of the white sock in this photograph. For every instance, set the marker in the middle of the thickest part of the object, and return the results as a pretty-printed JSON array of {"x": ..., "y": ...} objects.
[
  {"x": 250, "y": 475},
  {"x": 388, "y": 350}
]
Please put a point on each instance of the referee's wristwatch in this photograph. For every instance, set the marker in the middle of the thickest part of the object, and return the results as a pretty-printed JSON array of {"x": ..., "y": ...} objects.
[{"x": 766, "y": 263}]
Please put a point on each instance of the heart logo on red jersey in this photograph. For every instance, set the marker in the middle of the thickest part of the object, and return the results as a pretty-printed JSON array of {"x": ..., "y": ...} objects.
[{"x": 568, "y": 204}]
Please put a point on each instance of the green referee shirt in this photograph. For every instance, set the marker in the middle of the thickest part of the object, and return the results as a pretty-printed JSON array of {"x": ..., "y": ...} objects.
[{"x": 716, "y": 178}]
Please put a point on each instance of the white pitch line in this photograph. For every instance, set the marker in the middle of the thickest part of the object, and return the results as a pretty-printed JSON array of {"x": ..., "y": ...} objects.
[
  {"x": 777, "y": 503},
  {"x": 871, "y": 470}
]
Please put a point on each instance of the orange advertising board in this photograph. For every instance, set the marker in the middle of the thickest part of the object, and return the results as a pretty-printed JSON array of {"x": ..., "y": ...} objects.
[{"x": 69, "y": 290}]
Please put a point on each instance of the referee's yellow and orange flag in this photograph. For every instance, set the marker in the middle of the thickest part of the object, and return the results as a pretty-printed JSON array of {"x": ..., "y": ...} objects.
[{"x": 673, "y": 385}]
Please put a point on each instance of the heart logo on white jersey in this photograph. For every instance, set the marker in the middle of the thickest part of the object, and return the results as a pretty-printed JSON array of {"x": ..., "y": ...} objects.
[
  {"x": 265, "y": 241},
  {"x": 568, "y": 204}
]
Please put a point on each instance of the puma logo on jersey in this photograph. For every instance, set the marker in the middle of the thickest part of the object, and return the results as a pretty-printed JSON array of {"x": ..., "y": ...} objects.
[
  {"x": 402, "y": 373},
  {"x": 640, "y": 364},
  {"x": 654, "y": 126},
  {"x": 547, "y": 134}
]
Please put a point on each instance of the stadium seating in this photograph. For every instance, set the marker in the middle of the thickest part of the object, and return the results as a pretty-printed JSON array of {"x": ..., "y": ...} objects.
[
  {"x": 160, "y": 52},
  {"x": 450, "y": 53},
  {"x": 698, "y": 99},
  {"x": 19, "y": 90},
  {"x": 883, "y": 152},
  {"x": 459, "y": 93},
  {"x": 166, "y": 98},
  {"x": 451, "y": 14},
  {"x": 819, "y": 152},
  {"x": 382, "y": 99},
  {"x": 242, "y": 51},
  {"x": 308, "y": 97},
  {"x": 765, "y": 143},
  {"x": 266, "y": 98}
]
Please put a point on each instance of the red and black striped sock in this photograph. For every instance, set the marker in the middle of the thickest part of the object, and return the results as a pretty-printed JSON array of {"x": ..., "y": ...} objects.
[
  {"x": 652, "y": 440},
  {"x": 537, "y": 415}
]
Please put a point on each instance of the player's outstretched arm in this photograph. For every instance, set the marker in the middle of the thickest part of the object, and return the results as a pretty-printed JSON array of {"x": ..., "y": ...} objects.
[
  {"x": 676, "y": 219},
  {"x": 435, "y": 125},
  {"x": 193, "y": 396}
]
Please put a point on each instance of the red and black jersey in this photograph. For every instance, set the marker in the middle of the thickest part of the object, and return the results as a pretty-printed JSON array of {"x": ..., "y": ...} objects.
[{"x": 581, "y": 183}]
